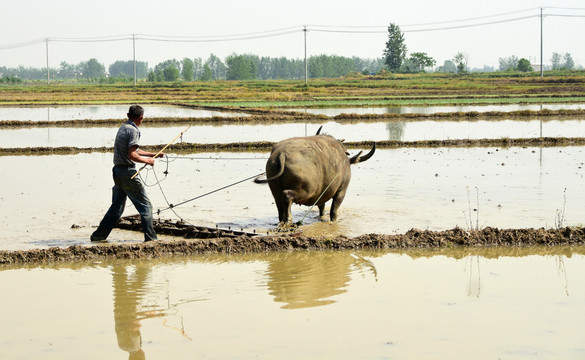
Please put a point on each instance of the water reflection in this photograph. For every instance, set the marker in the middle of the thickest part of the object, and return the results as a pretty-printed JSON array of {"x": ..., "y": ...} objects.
[
  {"x": 474, "y": 285},
  {"x": 98, "y": 136},
  {"x": 395, "y": 130},
  {"x": 101, "y": 112},
  {"x": 301, "y": 280},
  {"x": 129, "y": 283},
  {"x": 437, "y": 109},
  {"x": 517, "y": 301}
]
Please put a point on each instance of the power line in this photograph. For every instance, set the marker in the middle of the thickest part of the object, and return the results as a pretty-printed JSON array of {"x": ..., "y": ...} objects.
[
  {"x": 22, "y": 44},
  {"x": 215, "y": 38},
  {"x": 92, "y": 39},
  {"x": 471, "y": 19},
  {"x": 473, "y": 25},
  {"x": 228, "y": 36},
  {"x": 369, "y": 29}
]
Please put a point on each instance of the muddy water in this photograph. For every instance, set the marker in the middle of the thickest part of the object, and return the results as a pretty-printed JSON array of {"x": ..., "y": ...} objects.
[
  {"x": 439, "y": 109},
  {"x": 321, "y": 305},
  {"x": 398, "y": 189},
  {"x": 484, "y": 304},
  {"x": 377, "y": 131},
  {"x": 99, "y": 112}
]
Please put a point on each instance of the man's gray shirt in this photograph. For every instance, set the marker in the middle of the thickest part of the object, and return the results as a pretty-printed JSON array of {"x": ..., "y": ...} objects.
[{"x": 128, "y": 136}]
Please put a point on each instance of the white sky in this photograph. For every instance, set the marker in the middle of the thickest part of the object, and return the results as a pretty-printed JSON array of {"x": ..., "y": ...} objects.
[{"x": 35, "y": 20}]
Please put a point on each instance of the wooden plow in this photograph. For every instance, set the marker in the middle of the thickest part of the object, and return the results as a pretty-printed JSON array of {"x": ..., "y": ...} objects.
[{"x": 179, "y": 228}]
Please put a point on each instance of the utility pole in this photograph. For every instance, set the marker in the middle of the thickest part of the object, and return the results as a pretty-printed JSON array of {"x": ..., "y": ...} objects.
[
  {"x": 306, "y": 75},
  {"x": 134, "y": 55},
  {"x": 541, "y": 63},
  {"x": 47, "y": 54}
]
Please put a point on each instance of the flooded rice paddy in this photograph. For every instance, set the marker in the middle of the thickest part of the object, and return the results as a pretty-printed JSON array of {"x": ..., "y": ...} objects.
[
  {"x": 511, "y": 304},
  {"x": 376, "y": 131},
  {"x": 398, "y": 189},
  {"x": 458, "y": 303},
  {"x": 99, "y": 112},
  {"x": 437, "y": 109}
]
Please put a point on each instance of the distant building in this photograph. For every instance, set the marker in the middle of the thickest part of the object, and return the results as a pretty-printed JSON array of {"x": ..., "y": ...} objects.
[{"x": 536, "y": 67}]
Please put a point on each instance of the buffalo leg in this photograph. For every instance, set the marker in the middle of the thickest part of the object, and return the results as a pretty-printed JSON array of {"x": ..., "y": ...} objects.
[
  {"x": 280, "y": 206},
  {"x": 321, "y": 210},
  {"x": 286, "y": 205},
  {"x": 337, "y": 200}
]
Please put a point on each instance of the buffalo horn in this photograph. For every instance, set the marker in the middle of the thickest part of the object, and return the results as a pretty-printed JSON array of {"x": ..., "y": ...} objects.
[{"x": 357, "y": 158}]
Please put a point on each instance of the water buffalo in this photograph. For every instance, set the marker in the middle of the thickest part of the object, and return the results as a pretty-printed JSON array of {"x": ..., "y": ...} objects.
[{"x": 309, "y": 171}]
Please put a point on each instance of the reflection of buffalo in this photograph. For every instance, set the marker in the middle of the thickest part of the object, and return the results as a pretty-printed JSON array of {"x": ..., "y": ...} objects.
[
  {"x": 307, "y": 279},
  {"x": 309, "y": 171}
]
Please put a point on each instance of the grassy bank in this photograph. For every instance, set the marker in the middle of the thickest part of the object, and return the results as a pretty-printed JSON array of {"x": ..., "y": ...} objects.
[{"x": 392, "y": 90}]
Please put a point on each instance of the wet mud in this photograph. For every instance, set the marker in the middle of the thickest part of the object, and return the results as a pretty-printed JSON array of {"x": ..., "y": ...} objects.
[
  {"x": 413, "y": 239},
  {"x": 186, "y": 148}
]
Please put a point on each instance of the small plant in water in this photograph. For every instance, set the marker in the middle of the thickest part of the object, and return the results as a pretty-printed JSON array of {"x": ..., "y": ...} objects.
[
  {"x": 560, "y": 216},
  {"x": 476, "y": 210}
]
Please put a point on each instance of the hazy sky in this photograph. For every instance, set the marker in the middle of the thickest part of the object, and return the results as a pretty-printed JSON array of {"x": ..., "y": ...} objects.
[{"x": 33, "y": 21}]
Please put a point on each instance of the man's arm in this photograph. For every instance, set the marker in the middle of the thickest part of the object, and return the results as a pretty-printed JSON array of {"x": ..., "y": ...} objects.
[
  {"x": 148, "y": 154},
  {"x": 139, "y": 156}
]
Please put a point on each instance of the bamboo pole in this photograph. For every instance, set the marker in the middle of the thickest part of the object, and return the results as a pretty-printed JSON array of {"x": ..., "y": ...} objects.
[{"x": 163, "y": 149}]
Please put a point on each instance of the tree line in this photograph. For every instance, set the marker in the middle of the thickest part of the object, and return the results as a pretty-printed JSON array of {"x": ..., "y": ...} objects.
[
  {"x": 234, "y": 67},
  {"x": 397, "y": 60},
  {"x": 248, "y": 66}
]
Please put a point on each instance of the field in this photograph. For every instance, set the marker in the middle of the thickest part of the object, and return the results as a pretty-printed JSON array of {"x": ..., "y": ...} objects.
[
  {"x": 462, "y": 237},
  {"x": 395, "y": 90},
  {"x": 279, "y": 102}
]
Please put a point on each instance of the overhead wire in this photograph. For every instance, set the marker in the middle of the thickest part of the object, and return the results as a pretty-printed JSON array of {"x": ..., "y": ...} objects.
[{"x": 367, "y": 29}]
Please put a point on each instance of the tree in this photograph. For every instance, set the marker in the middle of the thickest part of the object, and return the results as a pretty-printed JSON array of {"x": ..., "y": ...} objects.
[
  {"x": 569, "y": 63},
  {"x": 126, "y": 68},
  {"x": 165, "y": 64},
  {"x": 240, "y": 67},
  {"x": 92, "y": 69},
  {"x": 187, "y": 69},
  {"x": 524, "y": 65},
  {"x": 207, "y": 74},
  {"x": 66, "y": 71},
  {"x": 218, "y": 68},
  {"x": 395, "y": 51},
  {"x": 197, "y": 68},
  {"x": 409, "y": 66},
  {"x": 171, "y": 73},
  {"x": 448, "y": 67},
  {"x": 418, "y": 61},
  {"x": 509, "y": 63},
  {"x": 556, "y": 61},
  {"x": 461, "y": 61}
]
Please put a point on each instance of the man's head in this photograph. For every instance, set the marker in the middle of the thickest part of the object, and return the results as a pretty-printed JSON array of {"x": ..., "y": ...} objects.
[{"x": 135, "y": 113}]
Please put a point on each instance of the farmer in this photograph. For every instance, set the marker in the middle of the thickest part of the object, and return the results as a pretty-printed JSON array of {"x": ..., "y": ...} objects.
[{"x": 126, "y": 155}]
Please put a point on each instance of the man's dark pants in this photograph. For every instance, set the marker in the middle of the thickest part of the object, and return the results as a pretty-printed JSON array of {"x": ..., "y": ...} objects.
[{"x": 124, "y": 187}]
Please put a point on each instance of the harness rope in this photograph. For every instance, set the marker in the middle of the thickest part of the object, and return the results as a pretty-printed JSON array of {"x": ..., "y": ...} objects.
[
  {"x": 172, "y": 206},
  {"x": 319, "y": 198}
]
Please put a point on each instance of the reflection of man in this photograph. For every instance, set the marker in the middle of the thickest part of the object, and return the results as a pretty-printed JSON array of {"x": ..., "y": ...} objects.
[{"x": 128, "y": 291}]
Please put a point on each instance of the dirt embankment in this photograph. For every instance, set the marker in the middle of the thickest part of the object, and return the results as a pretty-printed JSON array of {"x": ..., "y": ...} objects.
[
  {"x": 188, "y": 148},
  {"x": 413, "y": 239}
]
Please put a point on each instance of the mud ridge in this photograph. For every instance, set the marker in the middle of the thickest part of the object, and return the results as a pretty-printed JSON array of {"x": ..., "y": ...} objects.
[
  {"x": 271, "y": 116},
  {"x": 413, "y": 239},
  {"x": 188, "y": 148}
]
